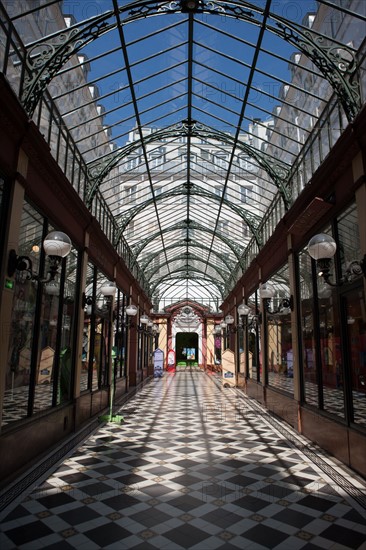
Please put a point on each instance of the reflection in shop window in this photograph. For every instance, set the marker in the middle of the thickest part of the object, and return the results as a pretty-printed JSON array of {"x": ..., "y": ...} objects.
[
  {"x": 356, "y": 351},
  {"x": 39, "y": 367},
  {"x": 330, "y": 348},
  {"x": 280, "y": 352},
  {"x": 18, "y": 371}
]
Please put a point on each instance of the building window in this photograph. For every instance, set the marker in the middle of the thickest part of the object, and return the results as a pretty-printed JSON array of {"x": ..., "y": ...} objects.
[
  {"x": 223, "y": 227},
  {"x": 246, "y": 193},
  {"x": 245, "y": 163},
  {"x": 221, "y": 160},
  {"x": 157, "y": 158},
  {"x": 245, "y": 230},
  {"x": 130, "y": 230},
  {"x": 131, "y": 193},
  {"x": 132, "y": 162}
]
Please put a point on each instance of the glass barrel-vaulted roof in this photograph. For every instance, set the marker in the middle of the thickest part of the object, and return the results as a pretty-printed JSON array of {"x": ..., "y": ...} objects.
[{"x": 194, "y": 118}]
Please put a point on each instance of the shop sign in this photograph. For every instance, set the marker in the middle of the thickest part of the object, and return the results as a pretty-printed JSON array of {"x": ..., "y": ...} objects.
[{"x": 158, "y": 363}]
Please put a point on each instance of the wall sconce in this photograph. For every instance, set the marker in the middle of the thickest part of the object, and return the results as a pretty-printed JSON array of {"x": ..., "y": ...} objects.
[
  {"x": 145, "y": 322},
  {"x": 322, "y": 248},
  {"x": 229, "y": 322},
  {"x": 52, "y": 288},
  {"x": 324, "y": 290},
  {"x": 245, "y": 311},
  {"x": 57, "y": 245},
  {"x": 217, "y": 329},
  {"x": 86, "y": 301},
  {"x": 144, "y": 319},
  {"x": 131, "y": 311},
  {"x": 108, "y": 289},
  {"x": 267, "y": 292}
]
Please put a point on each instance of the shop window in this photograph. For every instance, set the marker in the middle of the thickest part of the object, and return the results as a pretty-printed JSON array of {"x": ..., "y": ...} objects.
[
  {"x": 354, "y": 303},
  {"x": 3, "y": 210},
  {"x": 120, "y": 337},
  {"x": 254, "y": 340},
  {"x": 40, "y": 357},
  {"x": 1, "y": 193},
  {"x": 321, "y": 351},
  {"x": 308, "y": 347},
  {"x": 19, "y": 373},
  {"x": 353, "y": 310},
  {"x": 348, "y": 236},
  {"x": 330, "y": 348},
  {"x": 280, "y": 353},
  {"x": 97, "y": 338}
]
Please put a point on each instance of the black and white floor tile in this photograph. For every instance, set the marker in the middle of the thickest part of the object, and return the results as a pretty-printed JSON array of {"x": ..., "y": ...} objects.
[{"x": 193, "y": 466}]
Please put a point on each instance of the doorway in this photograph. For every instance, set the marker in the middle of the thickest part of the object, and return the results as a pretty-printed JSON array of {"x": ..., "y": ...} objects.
[{"x": 186, "y": 349}]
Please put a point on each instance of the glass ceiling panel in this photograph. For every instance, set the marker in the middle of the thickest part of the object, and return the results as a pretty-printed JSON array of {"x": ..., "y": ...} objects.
[{"x": 190, "y": 123}]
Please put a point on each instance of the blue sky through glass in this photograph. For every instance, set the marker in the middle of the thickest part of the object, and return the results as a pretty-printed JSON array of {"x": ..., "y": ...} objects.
[{"x": 223, "y": 53}]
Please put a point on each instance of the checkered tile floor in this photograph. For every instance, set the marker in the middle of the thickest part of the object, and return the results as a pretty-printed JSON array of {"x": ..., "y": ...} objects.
[{"x": 193, "y": 466}]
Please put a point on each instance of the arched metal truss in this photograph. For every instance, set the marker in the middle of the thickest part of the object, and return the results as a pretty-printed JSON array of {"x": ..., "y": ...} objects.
[
  {"x": 250, "y": 219},
  {"x": 221, "y": 257},
  {"x": 226, "y": 276},
  {"x": 204, "y": 133},
  {"x": 173, "y": 275},
  {"x": 213, "y": 299},
  {"x": 186, "y": 258},
  {"x": 277, "y": 170},
  {"x": 235, "y": 249}
]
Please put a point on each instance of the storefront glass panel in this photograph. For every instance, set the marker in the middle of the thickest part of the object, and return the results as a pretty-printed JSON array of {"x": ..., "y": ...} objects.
[
  {"x": 353, "y": 302},
  {"x": 118, "y": 350},
  {"x": 1, "y": 196},
  {"x": 88, "y": 378},
  {"x": 69, "y": 319},
  {"x": 280, "y": 355},
  {"x": 330, "y": 352},
  {"x": 254, "y": 340},
  {"x": 308, "y": 342},
  {"x": 97, "y": 336},
  {"x": 356, "y": 333},
  {"x": 18, "y": 370},
  {"x": 39, "y": 368}
]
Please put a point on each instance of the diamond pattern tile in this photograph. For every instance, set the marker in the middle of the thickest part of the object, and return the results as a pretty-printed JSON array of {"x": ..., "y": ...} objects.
[{"x": 184, "y": 471}]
